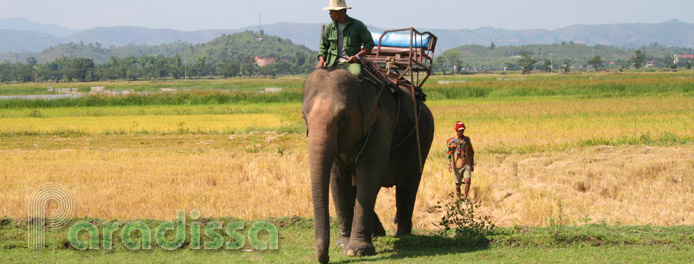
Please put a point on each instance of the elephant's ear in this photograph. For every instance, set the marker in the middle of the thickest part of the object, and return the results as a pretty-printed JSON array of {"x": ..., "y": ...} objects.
[{"x": 369, "y": 110}]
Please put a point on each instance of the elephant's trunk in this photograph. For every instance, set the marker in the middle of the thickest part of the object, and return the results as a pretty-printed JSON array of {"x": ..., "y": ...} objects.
[{"x": 322, "y": 147}]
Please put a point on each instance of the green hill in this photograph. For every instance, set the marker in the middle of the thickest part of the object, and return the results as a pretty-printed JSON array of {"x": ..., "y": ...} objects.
[
  {"x": 235, "y": 46},
  {"x": 240, "y": 45},
  {"x": 228, "y": 55}
]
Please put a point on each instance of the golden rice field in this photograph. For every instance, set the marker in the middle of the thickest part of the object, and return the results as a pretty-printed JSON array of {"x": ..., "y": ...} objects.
[{"x": 619, "y": 160}]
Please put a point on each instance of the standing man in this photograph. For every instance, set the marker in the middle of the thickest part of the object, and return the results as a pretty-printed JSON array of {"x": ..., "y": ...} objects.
[
  {"x": 342, "y": 40},
  {"x": 461, "y": 158}
]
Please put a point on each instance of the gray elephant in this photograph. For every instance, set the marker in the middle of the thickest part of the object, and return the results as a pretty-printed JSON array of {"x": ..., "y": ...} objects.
[{"x": 361, "y": 138}]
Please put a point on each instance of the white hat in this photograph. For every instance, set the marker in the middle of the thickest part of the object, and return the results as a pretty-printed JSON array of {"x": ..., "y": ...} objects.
[{"x": 337, "y": 5}]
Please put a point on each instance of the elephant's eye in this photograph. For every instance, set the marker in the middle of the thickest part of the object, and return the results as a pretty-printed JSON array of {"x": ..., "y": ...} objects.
[{"x": 342, "y": 119}]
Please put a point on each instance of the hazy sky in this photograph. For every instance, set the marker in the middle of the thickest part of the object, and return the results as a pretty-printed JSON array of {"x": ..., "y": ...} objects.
[{"x": 451, "y": 14}]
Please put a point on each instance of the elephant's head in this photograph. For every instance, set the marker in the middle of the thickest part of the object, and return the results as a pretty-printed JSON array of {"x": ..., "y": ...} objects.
[{"x": 338, "y": 112}]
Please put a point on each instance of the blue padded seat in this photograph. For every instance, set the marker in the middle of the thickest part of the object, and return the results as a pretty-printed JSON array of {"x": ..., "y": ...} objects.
[{"x": 401, "y": 40}]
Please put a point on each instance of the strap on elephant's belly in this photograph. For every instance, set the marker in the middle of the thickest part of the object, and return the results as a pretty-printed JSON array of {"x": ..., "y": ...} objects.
[{"x": 419, "y": 114}]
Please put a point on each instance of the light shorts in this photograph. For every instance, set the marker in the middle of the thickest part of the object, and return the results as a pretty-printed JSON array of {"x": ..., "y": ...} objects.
[{"x": 463, "y": 173}]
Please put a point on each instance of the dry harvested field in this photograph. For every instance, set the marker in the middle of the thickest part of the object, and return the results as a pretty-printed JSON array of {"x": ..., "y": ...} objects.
[{"x": 625, "y": 159}]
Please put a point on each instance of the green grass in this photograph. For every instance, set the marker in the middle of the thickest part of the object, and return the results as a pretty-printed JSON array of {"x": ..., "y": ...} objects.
[
  {"x": 211, "y": 92},
  {"x": 593, "y": 243},
  {"x": 663, "y": 139},
  {"x": 596, "y": 86},
  {"x": 180, "y": 98},
  {"x": 233, "y": 84},
  {"x": 145, "y": 110}
]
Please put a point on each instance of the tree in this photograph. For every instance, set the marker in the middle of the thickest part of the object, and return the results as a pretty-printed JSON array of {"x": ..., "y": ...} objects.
[
  {"x": 175, "y": 66},
  {"x": 566, "y": 66},
  {"x": 527, "y": 62},
  {"x": 596, "y": 62},
  {"x": 639, "y": 59},
  {"x": 81, "y": 69},
  {"x": 492, "y": 46},
  {"x": 300, "y": 58},
  {"x": 688, "y": 65},
  {"x": 200, "y": 68},
  {"x": 673, "y": 66},
  {"x": 31, "y": 61},
  {"x": 23, "y": 72},
  {"x": 55, "y": 70},
  {"x": 510, "y": 66},
  {"x": 161, "y": 67},
  {"x": 548, "y": 65},
  {"x": 268, "y": 70},
  {"x": 5, "y": 72},
  {"x": 228, "y": 68},
  {"x": 248, "y": 66},
  {"x": 283, "y": 67},
  {"x": 439, "y": 64},
  {"x": 451, "y": 59}
]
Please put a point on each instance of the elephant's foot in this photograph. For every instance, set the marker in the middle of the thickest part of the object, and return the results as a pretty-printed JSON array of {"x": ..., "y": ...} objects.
[
  {"x": 404, "y": 229},
  {"x": 342, "y": 241},
  {"x": 379, "y": 232},
  {"x": 360, "y": 249},
  {"x": 377, "y": 228},
  {"x": 400, "y": 234}
]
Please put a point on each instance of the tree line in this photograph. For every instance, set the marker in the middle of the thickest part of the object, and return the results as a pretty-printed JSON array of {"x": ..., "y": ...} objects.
[
  {"x": 556, "y": 57},
  {"x": 147, "y": 67},
  {"x": 226, "y": 56}
]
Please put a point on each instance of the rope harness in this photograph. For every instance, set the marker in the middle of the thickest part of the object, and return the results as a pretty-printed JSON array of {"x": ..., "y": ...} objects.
[{"x": 373, "y": 73}]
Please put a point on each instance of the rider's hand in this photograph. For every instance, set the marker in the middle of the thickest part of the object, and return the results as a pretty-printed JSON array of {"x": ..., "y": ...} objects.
[
  {"x": 353, "y": 59},
  {"x": 450, "y": 169},
  {"x": 321, "y": 63}
]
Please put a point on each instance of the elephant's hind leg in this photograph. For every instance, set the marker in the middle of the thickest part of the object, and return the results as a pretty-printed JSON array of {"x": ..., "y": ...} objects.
[{"x": 405, "y": 195}]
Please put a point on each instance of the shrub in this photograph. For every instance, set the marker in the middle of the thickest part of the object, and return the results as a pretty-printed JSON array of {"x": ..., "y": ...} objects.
[{"x": 459, "y": 216}]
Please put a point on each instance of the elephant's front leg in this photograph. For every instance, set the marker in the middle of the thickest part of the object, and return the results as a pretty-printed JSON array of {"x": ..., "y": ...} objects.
[
  {"x": 343, "y": 196},
  {"x": 369, "y": 175}
]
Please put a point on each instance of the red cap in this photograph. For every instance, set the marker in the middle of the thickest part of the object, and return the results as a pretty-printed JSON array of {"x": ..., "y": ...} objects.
[{"x": 459, "y": 126}]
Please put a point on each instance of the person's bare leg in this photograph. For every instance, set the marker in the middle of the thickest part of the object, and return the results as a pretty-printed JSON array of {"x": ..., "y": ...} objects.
[
  {"x": 457, "y": 190},
  {"x": 467, "y": 187}
]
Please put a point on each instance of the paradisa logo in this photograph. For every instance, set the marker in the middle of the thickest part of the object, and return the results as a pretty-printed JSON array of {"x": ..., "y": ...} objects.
[{"x": 136, "y": 235}]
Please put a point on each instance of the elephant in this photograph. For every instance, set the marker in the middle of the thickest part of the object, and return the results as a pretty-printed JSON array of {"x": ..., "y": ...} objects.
[{"x": 361, "y": 138}]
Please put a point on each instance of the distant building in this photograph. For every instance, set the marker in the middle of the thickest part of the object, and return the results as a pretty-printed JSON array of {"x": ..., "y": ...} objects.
[
  {"x": 263, "y": 61},
  {"x": 62, "y": 90},
  {"x": 679, "y": 57},
  {"x": 97, "y": 89}
]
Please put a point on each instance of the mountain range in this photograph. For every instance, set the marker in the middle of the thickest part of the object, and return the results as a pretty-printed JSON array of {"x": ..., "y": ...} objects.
[{"x": 24, "y": 36}]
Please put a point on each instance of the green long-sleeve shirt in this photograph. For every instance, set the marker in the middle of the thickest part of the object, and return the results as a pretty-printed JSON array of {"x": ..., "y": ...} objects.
[{"x": 354, "y": 36}]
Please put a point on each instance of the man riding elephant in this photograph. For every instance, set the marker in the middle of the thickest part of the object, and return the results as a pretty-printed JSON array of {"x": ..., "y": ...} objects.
[{"x": 344, "y": 41}]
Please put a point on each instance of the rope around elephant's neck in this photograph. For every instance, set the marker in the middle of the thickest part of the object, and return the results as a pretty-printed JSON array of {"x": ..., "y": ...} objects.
[{"x": 368, "y": 135}]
